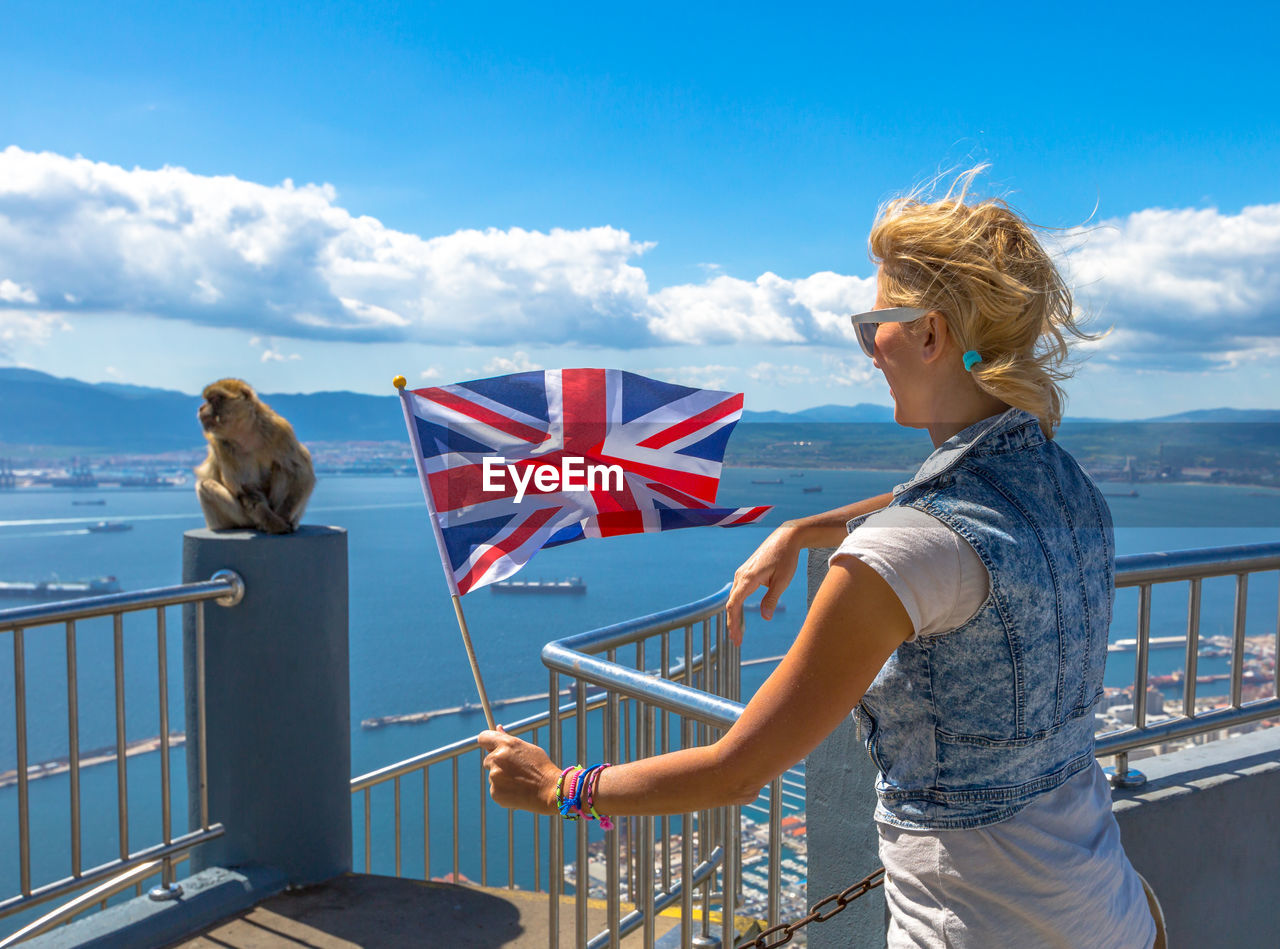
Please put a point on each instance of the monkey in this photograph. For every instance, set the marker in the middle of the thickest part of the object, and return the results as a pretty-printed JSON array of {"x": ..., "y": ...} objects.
[{"x": 257, "y": 474}]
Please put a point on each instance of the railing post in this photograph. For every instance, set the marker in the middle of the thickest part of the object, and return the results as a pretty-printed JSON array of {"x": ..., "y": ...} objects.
[
  {"x": 844, "y": 846},
  {"x": 277, "y": 697}
]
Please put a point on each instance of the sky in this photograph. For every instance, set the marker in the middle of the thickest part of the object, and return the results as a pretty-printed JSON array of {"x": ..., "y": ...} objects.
[{"x": 323, "y": 197}]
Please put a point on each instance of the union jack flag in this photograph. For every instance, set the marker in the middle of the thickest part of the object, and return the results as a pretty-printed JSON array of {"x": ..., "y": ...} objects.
[{"x": 498, "y": 459}]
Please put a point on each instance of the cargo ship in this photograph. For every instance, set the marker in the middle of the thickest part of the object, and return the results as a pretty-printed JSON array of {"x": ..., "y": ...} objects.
[
  {"x": 567, "y": 585},
  {"x": 109, "y": 527}
]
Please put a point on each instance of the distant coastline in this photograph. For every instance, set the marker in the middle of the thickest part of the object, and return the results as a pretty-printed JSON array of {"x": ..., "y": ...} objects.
[
  {"x": 69, "y": 429},
  {"x": 35, "y": 474}
]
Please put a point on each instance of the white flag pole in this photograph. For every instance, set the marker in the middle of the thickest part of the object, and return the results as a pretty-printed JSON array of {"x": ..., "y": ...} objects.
[{"x": 400, "y": 383}]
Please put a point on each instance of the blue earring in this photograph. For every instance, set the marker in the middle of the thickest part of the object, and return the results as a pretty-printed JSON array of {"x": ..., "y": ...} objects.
[{"x": 971, "y": 359}]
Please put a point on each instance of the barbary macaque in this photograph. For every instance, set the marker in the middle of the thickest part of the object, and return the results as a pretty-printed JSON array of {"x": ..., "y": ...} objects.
[{"x": 257, "y": 473}]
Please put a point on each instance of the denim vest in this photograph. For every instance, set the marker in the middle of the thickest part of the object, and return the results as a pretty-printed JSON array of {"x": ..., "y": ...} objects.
[{"x": 967, "y": 727}]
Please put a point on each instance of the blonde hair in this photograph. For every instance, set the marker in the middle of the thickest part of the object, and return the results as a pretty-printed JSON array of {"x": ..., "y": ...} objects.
[{"x": 981, "y": 265}]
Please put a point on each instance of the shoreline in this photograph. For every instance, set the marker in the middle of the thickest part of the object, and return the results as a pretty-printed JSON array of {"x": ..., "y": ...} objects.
[{"x": 90, "y": 759}]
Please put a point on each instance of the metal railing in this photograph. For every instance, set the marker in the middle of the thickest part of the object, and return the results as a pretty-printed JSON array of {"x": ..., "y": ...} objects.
[
  {"x": 684, "y": 703},
  {"x": 450, "y": 757},
  {"x": 679, "y": 690},
  {"x": 226, "y": 588},
  {"x": 655, "y": 700},
  {"x": 1191, "y": 567}
]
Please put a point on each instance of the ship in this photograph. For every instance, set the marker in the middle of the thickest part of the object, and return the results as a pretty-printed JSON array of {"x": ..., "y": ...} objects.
[
  {"x": 148, "y": 480},
  {"x": 567, "y": 585},
  {"x": 766, "y": 481},
  {"x": 109, "y": 527},
  {"x": 1176, "y": 678},
  {"x": 60, "y": 589},
  {"x": 813, "y": 489},
  {"x": 99, "y": 501}
]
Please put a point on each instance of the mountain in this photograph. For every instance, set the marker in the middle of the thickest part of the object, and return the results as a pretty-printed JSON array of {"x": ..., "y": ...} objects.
[
  {"x": 39, "y": 409},
  {"x": 1222, "y": 415},
  {"x": 862, "y": 412}
]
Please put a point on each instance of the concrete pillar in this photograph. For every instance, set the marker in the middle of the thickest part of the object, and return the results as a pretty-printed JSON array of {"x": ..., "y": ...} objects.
[
  {"x": 843, "y": 843},
  {"x": 278, "y": 708}
]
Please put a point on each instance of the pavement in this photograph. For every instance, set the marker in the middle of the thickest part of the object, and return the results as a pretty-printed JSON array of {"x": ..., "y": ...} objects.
[{"x": 363, "y": 911}]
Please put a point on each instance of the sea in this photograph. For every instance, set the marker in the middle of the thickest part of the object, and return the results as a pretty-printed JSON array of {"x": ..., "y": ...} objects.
[{"x": 405, "y": 651}]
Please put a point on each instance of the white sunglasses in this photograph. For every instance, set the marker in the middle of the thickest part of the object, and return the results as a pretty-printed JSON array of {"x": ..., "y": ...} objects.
[{"x": 865, "y": 324}]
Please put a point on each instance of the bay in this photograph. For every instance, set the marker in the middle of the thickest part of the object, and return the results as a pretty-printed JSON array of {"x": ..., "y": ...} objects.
[{"x": 405, "y": 652}]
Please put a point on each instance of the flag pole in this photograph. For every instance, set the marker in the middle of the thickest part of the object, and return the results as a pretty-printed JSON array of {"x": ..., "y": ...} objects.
[{"x": 399, "y": 382}]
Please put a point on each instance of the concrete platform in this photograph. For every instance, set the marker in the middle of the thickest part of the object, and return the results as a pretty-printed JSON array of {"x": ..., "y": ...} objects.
[{"x": 359, "y": 911}]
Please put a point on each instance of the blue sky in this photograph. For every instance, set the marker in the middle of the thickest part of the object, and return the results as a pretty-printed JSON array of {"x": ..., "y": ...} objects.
[{"x": 322, "y": 198}]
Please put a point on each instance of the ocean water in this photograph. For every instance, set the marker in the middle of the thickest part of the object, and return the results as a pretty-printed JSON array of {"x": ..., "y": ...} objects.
[{"x": 405, "y": 651}]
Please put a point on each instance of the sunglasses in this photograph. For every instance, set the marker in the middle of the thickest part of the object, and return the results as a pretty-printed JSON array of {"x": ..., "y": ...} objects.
[{"x": 865, "y": 324}]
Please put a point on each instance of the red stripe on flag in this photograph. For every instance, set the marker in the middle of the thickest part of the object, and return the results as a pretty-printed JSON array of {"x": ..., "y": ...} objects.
[
  {"x": 616, "y": 523},
  {"x": 700, "y": 486},
  {"x": 503, "y": 547},
  {"x": 585, "y": 409},
  {"x": 481, "y": 414},
  {"x": 463, "y": 486},
  {"x": 751, "y": 514},
  {"x": 689, "y": 425}
]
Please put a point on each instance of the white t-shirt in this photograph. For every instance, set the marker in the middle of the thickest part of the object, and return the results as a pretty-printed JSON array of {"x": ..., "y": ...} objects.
[
  {"x": 938, "y": 577},
  {"x": 1052, "y": 875}
]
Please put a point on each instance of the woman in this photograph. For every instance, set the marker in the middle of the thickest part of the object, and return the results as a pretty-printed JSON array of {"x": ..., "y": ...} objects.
[{"x": 963, "y": 619}]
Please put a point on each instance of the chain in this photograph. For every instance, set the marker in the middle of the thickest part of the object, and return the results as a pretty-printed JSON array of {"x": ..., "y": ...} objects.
[{"x": 785, "y": 931}]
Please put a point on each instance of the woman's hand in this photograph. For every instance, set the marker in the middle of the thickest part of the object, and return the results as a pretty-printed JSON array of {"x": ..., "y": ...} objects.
[
  {"x": 772, "y": 565},
  {"x": 520, "y": 774},
  {"x": 774, "y": 562}
]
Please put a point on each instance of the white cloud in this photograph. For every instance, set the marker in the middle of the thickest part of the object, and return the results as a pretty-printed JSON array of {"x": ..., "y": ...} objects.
[
  {"x": 519, "y": 362},
  {"x": 835, "y": 370},
  {"x": 429, "y": 373},
  {"x": 701, "y": 377},
  {"x": 855, "y": 370},
  {"x": 11, "y": 292},
  {"x": 26, "y": 326},
  {"x": 1255, "y": 350},
  {"x": 1181, "y": 287},
  {"x": 289, "y": 260},
  {"x": 768, "y": 309},
  {"x": 272, "y": 355},
  {"x": 772, "y": 374},
  {"x": 271, "y": 351},
  {"x": 1184, "y": 288}
]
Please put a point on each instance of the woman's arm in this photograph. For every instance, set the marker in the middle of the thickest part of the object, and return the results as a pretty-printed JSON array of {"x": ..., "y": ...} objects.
[
  {"x": 854, "y": 625},
  {"x": 774, "y": 562}
]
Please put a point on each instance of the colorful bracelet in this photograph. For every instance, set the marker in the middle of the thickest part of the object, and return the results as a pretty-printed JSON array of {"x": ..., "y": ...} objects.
[
  {"x": 560, "y": 789},
  {"x": 577, "y": 784},
  {"x": 593, "y": 779},
  {"x": 568, "y": 792}
]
